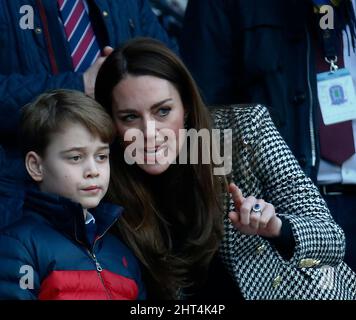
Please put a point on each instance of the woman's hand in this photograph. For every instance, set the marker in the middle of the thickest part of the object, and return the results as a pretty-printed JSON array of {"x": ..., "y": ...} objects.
[{"x": 253, "y": 216}]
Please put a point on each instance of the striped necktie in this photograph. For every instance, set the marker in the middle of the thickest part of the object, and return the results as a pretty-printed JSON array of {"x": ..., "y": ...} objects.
[{"x": 80, "y": 34}]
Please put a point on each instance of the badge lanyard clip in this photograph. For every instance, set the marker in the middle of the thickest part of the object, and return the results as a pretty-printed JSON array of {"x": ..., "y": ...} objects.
[{"x": 333, "y": 66}]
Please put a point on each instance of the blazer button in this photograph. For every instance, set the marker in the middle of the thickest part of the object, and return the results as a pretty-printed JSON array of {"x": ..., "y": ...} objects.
[
  {"x": 308, "y": 263},
  {"x": 38, "y": 30},
  {"x": 302, "y": 161},
  {"x": 276, "y": 281},
  {"x": 299, "y": 98},
  {"x": 105, "y": 14},
  {"x": 260, "y": 249}
]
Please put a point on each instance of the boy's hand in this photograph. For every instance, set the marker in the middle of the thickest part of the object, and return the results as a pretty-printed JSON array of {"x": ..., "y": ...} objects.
[{"x": 253, "y": 216}]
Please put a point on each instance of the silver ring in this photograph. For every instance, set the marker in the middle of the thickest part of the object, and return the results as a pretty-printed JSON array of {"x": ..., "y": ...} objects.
[{"x": 256, "y": 208}]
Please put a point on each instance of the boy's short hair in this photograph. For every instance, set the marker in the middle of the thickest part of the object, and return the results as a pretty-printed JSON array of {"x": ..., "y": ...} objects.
[{"x": 52, "y": 110}]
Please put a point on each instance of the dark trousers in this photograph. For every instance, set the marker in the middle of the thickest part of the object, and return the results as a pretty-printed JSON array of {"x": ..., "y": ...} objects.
[{"x": 343, "y": 210}]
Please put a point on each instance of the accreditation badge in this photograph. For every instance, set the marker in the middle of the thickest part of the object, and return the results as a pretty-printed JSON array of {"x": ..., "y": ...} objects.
[{"x": 337, "y": 96}]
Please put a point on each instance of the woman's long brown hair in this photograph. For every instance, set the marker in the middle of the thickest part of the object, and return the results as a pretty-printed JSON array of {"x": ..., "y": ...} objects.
[{"x": 174, "y": 229}]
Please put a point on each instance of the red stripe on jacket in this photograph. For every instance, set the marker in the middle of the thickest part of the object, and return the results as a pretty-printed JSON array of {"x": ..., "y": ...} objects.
[{"x": 87, "y": 285}]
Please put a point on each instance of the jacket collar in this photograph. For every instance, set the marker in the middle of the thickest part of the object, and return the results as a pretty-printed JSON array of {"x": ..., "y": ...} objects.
[{"x": 67, "y": 216}]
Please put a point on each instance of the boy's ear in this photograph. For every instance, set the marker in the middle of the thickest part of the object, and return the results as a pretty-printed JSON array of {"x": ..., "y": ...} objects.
[{"x": 34, "y": 166}]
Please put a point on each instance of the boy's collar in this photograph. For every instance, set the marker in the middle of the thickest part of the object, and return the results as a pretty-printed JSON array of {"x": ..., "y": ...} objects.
[{"x": 67, "y": 216}]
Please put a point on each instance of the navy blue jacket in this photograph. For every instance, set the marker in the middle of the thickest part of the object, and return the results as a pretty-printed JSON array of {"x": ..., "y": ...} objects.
[
  {"x": 48, "y": 250},
  {"x": 11, "y": 190},
  {"x": 259, "y": 52}
]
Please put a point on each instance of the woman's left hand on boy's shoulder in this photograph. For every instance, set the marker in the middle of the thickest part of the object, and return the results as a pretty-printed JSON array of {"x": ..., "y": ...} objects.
[{"x": 253, "y": 216}]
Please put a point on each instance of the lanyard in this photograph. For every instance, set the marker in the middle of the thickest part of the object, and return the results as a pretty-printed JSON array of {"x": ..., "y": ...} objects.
[
  {"x": 330, "y": 43},
  {"x": 319, "y": 3},
  {"x": 328, "y": 37}
]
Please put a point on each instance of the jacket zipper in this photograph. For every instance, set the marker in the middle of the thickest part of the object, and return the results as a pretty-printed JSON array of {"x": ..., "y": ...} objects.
[
  {"x": 99, "y": 269},
  {"x": 92, "y": 255},
  {"x": 311, "y": 100}
]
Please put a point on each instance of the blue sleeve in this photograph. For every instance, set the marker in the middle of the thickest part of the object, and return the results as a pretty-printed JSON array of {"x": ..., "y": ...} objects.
[
  {"x": 11, "y": 202},
  {"x": 11, "y": 191},
  {"x": 16, "y": 90},
  {"x": 18, "y": 277},
  {"x": 151, "y": 26},
  {"x": 206, "y": 46}
]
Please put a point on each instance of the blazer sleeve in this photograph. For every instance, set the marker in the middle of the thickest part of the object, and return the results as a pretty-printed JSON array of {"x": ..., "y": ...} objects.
[
  {"x": 19, "y": 279},
  {"x": 294, "y": 196},
  {"x": 16, "y": 90},
  {"x": 151, "y": 26}
]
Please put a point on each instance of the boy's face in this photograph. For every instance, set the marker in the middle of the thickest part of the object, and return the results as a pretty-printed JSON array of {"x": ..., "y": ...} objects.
[{"x": 76, "y": 166}]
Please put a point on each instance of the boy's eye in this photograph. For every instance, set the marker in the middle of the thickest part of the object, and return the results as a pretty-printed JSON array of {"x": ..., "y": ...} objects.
[
  {"x": 162, "y": 112},
  {"x": 102, "y": 157},
  {"x": 75, "y": 158}
]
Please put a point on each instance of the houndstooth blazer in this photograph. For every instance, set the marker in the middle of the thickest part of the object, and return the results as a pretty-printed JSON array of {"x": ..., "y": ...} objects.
[{"x": 263, "y": 166}]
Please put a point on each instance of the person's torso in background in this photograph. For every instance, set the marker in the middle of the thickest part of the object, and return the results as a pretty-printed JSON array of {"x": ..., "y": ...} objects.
[{"x": 346, "y": 174}]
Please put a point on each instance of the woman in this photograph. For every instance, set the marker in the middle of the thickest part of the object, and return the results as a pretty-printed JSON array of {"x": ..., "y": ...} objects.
[{"x": 273, "y": 231}]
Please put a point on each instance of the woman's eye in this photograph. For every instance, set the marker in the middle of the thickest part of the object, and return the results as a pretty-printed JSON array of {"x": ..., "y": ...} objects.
[
  {"x": 128, "y": 118},
  {"x": 162, "y": 112}
]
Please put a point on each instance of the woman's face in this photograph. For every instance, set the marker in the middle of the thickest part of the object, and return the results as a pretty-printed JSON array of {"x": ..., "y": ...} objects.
[{"x": 154, "y": 108}]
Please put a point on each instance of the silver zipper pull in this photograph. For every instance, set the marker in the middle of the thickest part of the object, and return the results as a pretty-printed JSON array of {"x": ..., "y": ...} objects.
[{"x": 98, "y": 266}]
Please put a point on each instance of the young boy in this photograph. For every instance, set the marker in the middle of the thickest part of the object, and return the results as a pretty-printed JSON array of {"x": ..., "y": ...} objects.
[{"x": 61, "y": 248}]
